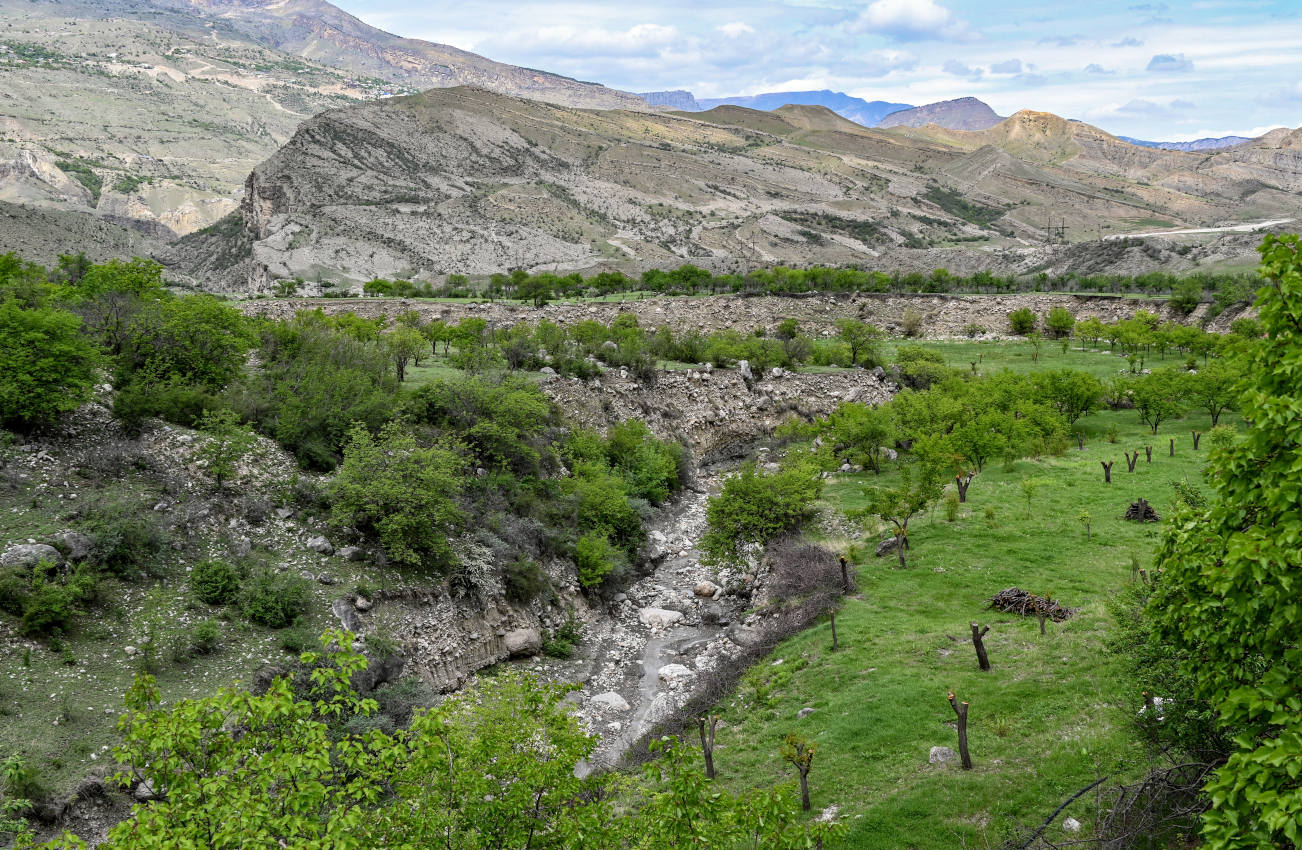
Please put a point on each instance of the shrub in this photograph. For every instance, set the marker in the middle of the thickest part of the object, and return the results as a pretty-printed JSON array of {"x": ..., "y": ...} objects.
[
  {"x": 973, "y": 330},
  {"x": 46, "y": 365},
  {"x": 204, "y": 637},
  {"x": 196, "y": 340},
  {"x": 1186, "y": 296},
  {"x": 596, "y": 559},
  {"x": 1022, "y": 321},
  {"x": 400, "y": 493},
  {"x": 754, "y": 509},
  {"x": 911, "y": 322},
  {"x": 1059, "y": 322},
  {"x": 561, "y": 643},
  {"x": 215, "y": 582},
  {"x": 1247, "y": 328},
  {"x": 14, "y": 590},
  {"x": 172, "y": 401},
  {"x": 272, "y": 600},
  {"x": 299, "y": 638},
  {"x": 51, "y": 606},
  {"x": 524, "y": 580},
  {"x": 951, "y": 506},
  {"x": 128, "y": 539}
]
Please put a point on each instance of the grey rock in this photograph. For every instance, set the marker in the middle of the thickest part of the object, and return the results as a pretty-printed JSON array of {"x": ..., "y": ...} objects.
[
  {"x": 743, "y": 635},
  {"x": 659, "y": 617},
  {"x": 941, "y": 755},
  {"x": 673, "y": 673},
  {"x": 74, "y": 545},
  {"x": 347, "y": 615},
  {"x": 284, "y": 513},
  {"x": 804, "y": 712},
  {"x": 241, "y": 547},
  {"x": 612, "y": 701},
  {"x": 705, "y": 589},
  {"x": 743, "y": 366},
  {"x": 714, "y": 614},
  {"x": 523, "y": 642},
  {"x": 352, "y": 553},
  {"x": 145, "y": 792},
  {"x": 1071, "y": 825},
  {"x": 322, "y": 578},
  {"x": 361, "y": 603},
  {"x": 547, "y": 370},
  {"x": 27, "y": 555},
  {"x": 890, "y": 544},
  {"x": 320, "y": 545},
  {"x": 879, "y": 372}
]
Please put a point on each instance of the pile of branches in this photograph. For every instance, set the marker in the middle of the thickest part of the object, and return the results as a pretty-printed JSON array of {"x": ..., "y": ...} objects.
[
  {"x": 1017, "y": 601},
  {"x": 1141, "y": 511}
]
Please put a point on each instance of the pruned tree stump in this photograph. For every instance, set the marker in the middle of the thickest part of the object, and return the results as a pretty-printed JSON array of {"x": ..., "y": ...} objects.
[{"x": 1141, "y": 511}]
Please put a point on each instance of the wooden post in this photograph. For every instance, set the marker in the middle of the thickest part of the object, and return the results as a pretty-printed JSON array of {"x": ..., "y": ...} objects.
[
  {"x": 1080, "y": 440},
  {"x": 960, "y": 709},
  {"x": 707, "y": 725},
  {"x": 845, "y": 574},
  {"x": 1172, "y": 447},
  {"x": 1107, "y": 470},
  {"x": 983, "y": 661},
  {"x": 1197, "y": 436},
  {"x": 1148, "y": 451},
  {"x": 831, "y": 612},
  {"x": 1041, "y": 615}
]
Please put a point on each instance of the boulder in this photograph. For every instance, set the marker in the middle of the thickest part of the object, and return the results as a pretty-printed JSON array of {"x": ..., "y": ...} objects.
[
  {"x": 804, "y": 712},
  {"x": 941, "y": 755},
  {"x": 743, "y": 635},
  {"x": 28, "y": 555},
  {"x": 352, "y": 553},
  {"x": 145, "y": 792},
  {"x": 714, "y": 614},
  {"x": 523, "y": 642},
  {"x": 74, "y": 545},
  {"x": 659, "y": 617},
  {"x": 705, "y": 589},
  {"x": 890, "y": 544},
  {"x": 743, "y": 366},
  {"x": 1071, "y": 825},
  {"x": 320, "y": 545},
  {"x": 361, "y": 603},
  {"x": 612, "y": 701},
  {"x": 673, "y": 673},
  {"x": 347, "y": 615},
  {"x": 241, "y": 547}
]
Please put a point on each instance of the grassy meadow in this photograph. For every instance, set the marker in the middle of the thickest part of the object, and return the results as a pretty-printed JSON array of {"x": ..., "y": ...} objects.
[{"x": 1052, "y": 715}]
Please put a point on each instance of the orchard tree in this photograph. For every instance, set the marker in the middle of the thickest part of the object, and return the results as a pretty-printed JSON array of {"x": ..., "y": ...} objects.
[
  {"x": 897, "y": 505},
  {"x": 1157, "y": 396},
  {"x": 1071, "y": 392},
  {"x": 404, "y": 345},
  {"x": 1226, "y": 597},
  {"x": 227, "y": 444},
  {"x": 1215, "y": 387},
  {"x": 862, "y": 339}
]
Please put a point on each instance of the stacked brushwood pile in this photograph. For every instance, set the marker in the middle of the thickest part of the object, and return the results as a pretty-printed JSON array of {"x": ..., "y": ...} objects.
[
  {"x": 1017, "y": 601},
  {"x": 1141, "y": 511}
]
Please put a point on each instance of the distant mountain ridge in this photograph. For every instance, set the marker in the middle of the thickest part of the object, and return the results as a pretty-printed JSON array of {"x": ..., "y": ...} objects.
[
  {"x": 856, "y": 109},
  {"x": 964, "y": 113},
  {"x": 1196, "y": 145}
]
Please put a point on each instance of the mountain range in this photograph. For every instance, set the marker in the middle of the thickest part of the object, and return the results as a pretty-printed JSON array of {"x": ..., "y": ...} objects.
[
  {"x": 469, "y": 181},
  {"x": 858, "y": 110},
  {"x": 1195, "y": 145}
]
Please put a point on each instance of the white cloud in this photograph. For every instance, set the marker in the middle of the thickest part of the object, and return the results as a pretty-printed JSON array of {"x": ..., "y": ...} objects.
[
  {"x": 736, "y": 29},
  {"x": 1008, "y": 66},
  {"x": 910, "y": 20},
  {"x": 1095, "y": 68},
  {"x": 957, "y": 68},
  {"x": 1168, "y": 62},
  {"x": 641, "y": 39}
]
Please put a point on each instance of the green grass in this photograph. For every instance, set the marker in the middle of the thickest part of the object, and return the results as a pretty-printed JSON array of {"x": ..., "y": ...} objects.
[
  {"x": 993, "y": 355},
  {"x": 1053, "y": 714}
]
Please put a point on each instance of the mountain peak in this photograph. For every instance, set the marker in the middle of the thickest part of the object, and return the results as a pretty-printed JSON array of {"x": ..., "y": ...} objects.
[{"x": 964, "y": 113}]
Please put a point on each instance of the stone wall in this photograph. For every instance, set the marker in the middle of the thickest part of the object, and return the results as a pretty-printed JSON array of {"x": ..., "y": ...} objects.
[{"x": 943, "y": 316}]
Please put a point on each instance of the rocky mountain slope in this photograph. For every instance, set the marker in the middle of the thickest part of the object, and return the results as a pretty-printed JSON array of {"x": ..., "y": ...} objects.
[
  {"x": 151, "y": 113},
  {"x": 466, "y": 181},
  {"x": 965, "y": 113},
  {"x": 1195, "y": 145}
]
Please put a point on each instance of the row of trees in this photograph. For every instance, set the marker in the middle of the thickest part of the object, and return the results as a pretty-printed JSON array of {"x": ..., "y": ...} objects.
[{"x": 1186, "y": 292}]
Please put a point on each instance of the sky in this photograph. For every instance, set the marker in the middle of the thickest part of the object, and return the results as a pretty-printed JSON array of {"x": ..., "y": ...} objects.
[{"x": 1167, "y": 71}]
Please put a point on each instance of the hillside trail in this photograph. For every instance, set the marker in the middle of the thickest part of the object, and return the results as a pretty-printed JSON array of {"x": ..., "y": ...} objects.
[{"x": 1231, "y": 228}]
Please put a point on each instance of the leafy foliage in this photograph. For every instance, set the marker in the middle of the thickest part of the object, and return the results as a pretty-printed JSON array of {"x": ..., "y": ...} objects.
[
  {"x": 1227, "y": 599},
  {"x": 755, "y": 508},
  {"x": 46, "y": 365}
]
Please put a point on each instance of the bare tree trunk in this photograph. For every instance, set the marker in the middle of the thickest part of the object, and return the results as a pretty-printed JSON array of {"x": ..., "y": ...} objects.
[
  {"x": 963, "y": 482},
  {"x": 804, "y": 790},
  {"x": 960, "y": 709},
  {"x": 1080, "y": 440},
  {"x": 832, "y": 614},
  {"x": 983, "y": 661},
  {"x": 845, "y": 574},
  {"x": 904, "y": 544},
  {"x": 707, "y": 726},
  {"x": 1196, "y": 437},
  {"x": 1148, "y": 451},
  {"x": 1172, "y": 447},
  {"x": 1131, "y": 460},
  {"x": 1107, "y": 471},
  {"x": 1042, "y": 617}
]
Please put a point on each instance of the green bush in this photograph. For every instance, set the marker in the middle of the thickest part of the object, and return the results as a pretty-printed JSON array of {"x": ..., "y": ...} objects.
[
  {"x": 215, "y": 582},
  {"x": 46, "y": 365},
  {"x": 1022, "y": 321},
  {"x": 51, "y": 606},
  {"x": 1059, "y": 322},
  {"x": 196, "y": 339},
  {"x": 204, "y": 637},
  {"x": 754, "y": 509},
  {"x": 597, "y": 559},
  {"x": 272, "y": 600},
  {"x": 299, "y": 638},
  {"x": 524, "y": 580},
  {"x": 172, "y": 401},
  {"x": 128, "y": 539},
  {"x": 561, "y": 643},
  {"x": 14, "y": 590}
]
